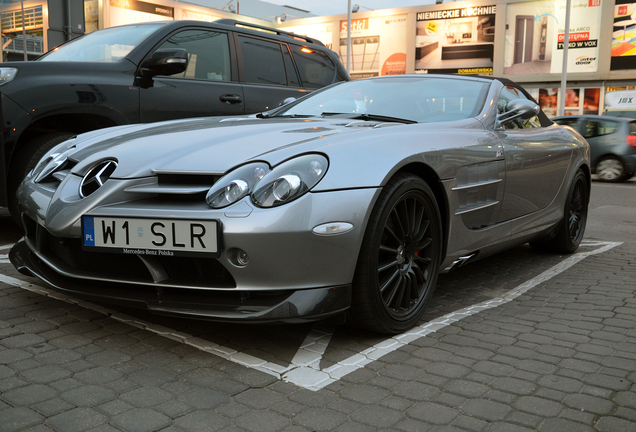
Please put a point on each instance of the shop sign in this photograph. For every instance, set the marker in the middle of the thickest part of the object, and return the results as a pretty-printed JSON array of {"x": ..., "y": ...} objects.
[{"x": 458, "y": 40}]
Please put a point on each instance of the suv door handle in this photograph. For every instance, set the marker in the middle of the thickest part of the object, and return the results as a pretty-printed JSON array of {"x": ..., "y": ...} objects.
[{"x": 231, "y": 99}]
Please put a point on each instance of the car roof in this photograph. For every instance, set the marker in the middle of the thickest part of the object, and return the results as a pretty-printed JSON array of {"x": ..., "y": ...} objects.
[{"x": 235, "y": 25}]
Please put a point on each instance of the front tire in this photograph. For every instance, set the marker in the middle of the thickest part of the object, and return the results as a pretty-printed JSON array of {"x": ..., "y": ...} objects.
[{"x": 399, "y": 259}]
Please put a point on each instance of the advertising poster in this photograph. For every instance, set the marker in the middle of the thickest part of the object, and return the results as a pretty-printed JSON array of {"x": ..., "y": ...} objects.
[
  {"x": 591, "y": 101},
  {"x": 624, "y": 36},
  {"x": 134, "y": 11},
  {"x": 536, "y": 31},
  {"x": 321, "y": 31},
  {"x": 378, "y": 46},
  {"x": 548, "y": 101},
  {"x": 459, "y": 41}
]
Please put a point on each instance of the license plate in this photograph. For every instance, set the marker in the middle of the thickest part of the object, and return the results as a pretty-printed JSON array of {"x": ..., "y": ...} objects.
[{"x": 153, "y": 237}]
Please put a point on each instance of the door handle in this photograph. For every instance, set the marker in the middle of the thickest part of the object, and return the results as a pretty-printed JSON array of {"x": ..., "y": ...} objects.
[{"x": 231, "y": 99}]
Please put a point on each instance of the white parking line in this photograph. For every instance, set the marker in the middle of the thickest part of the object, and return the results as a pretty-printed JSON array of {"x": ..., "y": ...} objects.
[{"x": 304, "y": 369}]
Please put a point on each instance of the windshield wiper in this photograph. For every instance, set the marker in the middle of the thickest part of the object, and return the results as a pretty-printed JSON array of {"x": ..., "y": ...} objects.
[
  {"x": 369, "y": 117},
  {"x": 267, "y": 115}
]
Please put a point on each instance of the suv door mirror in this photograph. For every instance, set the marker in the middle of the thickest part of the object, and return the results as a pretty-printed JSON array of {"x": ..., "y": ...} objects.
[
  {"x": 165, "y": 61},
  {"x": 522, "y": 109}
]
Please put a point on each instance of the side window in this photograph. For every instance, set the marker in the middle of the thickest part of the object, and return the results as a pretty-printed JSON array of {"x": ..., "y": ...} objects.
[
  {"x": 508, "y": 94},
  {"x": 263, "y": 61},
  {"x": 593, "y": 128},
  {"x": 567, "y": 122},
  {"x": 606, "y": 127},
  {"x": 590, "y": 129},
  {"x": 315, "y": 68},
  {"x": 208, "y": 54}
]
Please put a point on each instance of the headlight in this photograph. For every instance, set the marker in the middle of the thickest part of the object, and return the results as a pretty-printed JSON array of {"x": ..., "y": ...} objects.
[
  {"x": 290, "y": 180},
  {"x": 7, "y": 74},
  {"x": 53, "y": 160},
  {"x": 236, "y": 185}
]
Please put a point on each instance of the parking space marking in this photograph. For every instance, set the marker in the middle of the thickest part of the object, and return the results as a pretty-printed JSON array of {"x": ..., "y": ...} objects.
[
  {"x": 304, "y": 369},
  {"x": 314, "y": 378}
]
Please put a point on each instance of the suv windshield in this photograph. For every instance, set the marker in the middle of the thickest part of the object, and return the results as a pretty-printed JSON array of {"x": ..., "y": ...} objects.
[
  {"x": 415, "y": 99},
  {"x": 108, "y": 45}
]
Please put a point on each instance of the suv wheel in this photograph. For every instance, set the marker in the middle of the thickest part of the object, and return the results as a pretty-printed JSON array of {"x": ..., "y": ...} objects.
[{"x": 25, "y": 159}]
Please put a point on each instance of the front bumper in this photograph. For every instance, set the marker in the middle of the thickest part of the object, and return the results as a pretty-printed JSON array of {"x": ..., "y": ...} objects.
[
  {"x": 243, "y": 306},
  {"x": 293, "y": 274}
]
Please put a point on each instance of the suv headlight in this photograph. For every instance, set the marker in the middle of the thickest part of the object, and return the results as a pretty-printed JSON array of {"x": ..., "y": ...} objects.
[
  {"x": 290, "y": 180},
  {"x": 7, "y": 74}
]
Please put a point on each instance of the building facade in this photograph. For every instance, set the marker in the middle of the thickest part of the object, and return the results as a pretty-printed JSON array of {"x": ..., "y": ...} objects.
[{"x": 520, "y": 40}]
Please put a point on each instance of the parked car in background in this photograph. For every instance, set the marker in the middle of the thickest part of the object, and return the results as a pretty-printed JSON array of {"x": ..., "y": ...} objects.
[
  {"x": 150, "y": 72},
  {"x": 612, "y": 144},
  {"x": 349, "y": 201}
]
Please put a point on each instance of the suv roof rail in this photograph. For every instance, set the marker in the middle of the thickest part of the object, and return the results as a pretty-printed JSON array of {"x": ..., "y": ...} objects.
[{"x": 232, "y": 22}]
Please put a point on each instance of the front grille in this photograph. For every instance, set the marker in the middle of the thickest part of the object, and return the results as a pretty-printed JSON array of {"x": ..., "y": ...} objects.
[
  {"x": 98, "y": 264},
  {"x": 176, "y": 188},
  {"x": 69, "y": 256}
]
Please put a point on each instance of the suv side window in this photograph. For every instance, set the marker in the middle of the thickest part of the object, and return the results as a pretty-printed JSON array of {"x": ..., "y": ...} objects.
[
  {"x": 208, "y": 54},
  {"x": 263, "y": 61},
  {"x": 316, "y": 70},
  {"x": 508, "y": 94},
  {"x": 594, "y": 128}
]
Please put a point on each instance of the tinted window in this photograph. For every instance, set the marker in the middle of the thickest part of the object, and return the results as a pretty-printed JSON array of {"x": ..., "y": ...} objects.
[
  {"x": 567, "y": 122},
  {"x": 208, "y": 54},
  {"x": 508, "y": 94},
  {"x": 263, "y": 62},
  {"x": 316, "y": 70},
  {"x": 594, "y": 128}
]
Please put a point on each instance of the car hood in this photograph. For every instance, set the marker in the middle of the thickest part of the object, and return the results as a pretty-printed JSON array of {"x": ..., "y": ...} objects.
[{"x": 215, "y": 145}]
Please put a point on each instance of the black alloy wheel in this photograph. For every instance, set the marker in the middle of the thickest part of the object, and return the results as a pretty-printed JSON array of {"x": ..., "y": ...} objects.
[
  {"x": 571, "y": 229},
  {"x": 400, "y": 258}
]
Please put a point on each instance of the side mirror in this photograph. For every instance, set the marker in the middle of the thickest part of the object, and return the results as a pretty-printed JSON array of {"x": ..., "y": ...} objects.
[
  {"x": 166, "y": 61},
  {"x": 288, "y": 100},
  {"x": 523, "y": 109}
]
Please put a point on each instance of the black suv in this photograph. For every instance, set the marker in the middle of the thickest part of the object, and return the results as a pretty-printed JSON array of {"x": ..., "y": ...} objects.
[{"x": 150, "y": 72}]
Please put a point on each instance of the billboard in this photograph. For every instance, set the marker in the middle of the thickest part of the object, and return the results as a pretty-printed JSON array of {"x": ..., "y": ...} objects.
[
  {"x": 536, "y": 32},
  {"x": 378, "y": 46},
  {"x": 134, "y": 11},
  {"x": 624, "y": 36},
  {"x": 459, "y": 41}
]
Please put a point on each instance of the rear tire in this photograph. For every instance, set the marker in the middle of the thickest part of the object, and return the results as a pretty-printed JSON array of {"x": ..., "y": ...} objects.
[
  {"x": 399, "y": 259},
  {"x": 572, "y": 226},
  {"x": 25, "y": 159},
  {"x": 611, "y": 169}
]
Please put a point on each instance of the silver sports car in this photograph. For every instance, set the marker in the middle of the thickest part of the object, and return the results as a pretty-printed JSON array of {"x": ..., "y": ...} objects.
[{"x": 349, "y": 201}]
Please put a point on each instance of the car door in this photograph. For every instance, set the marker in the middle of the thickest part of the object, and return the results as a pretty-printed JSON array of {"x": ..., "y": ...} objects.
[
  {"x": 599, "y": 134},
  {"x": 267, "y": 73},
  {"x": 208, "y": 87},
  {"x": 537, "y": 159}
]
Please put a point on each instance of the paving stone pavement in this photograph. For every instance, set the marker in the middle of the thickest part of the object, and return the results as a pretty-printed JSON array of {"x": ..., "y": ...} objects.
[{"x": 561, "y": 357}]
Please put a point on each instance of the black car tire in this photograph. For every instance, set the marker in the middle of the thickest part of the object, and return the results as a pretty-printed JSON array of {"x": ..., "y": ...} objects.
[
  {"x": 25, "y": 159},
  {"x": 572, "y": 227},
  {"x": 399, "y": 259},
  {"x": 611, "y": 169}
]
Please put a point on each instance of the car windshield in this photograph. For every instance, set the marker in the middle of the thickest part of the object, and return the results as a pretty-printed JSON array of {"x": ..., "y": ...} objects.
[
  {"x": 108, "y": 45},
  {"x": 411, "y": 99}
]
